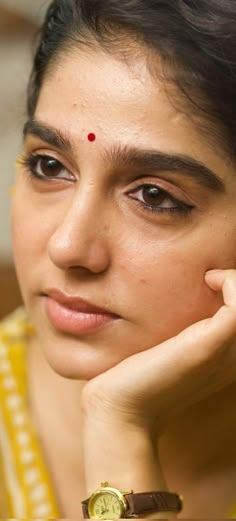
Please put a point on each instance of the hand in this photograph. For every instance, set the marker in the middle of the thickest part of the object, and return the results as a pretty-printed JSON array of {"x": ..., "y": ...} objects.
[{"x": 149, "y": 387}]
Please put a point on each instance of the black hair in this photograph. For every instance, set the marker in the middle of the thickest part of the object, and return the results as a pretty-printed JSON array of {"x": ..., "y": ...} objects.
[{"x": 195, "y": 39}]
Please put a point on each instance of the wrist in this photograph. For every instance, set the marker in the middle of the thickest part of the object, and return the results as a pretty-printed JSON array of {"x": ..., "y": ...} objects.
[{"x": 123, "y": 454}]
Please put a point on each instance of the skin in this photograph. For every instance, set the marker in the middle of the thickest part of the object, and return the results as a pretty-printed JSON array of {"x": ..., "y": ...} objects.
[
  {"x": 86, "y": 236},
  {"x": 122, "y": 257}
]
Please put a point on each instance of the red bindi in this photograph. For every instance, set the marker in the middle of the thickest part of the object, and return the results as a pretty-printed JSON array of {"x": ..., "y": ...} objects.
[{"x": 91, "y": 137}]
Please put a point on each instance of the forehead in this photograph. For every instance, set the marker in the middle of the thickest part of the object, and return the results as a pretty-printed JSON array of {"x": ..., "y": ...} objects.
[
  {"x": 101, "y": 89},
  {"x": 89, "y": 90}
]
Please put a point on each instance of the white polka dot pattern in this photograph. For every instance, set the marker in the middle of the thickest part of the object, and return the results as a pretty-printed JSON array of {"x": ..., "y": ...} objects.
[{"x": 30, "y": 475}]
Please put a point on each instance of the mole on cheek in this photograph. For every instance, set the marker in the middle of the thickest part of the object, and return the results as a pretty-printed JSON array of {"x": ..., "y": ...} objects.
[{"x": 143, "y": 281}]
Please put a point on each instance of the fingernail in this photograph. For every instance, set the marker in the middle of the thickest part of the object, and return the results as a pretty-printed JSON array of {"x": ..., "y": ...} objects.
[{"x": 213, "y": 272}]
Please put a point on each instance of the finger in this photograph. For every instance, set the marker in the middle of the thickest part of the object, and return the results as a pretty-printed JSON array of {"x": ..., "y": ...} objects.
[
  {"x": 225, "y": 281},
  {"x": 192, "y": 361}
]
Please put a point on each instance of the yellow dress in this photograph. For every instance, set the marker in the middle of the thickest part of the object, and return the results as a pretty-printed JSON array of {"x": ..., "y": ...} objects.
[{"x": 25, "y": 487}]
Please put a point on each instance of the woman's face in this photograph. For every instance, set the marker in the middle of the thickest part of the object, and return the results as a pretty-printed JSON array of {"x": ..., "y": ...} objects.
[{"x": 129, "y": 222}]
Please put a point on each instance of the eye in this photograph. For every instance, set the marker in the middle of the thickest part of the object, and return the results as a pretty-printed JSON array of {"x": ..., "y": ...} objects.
[
  {"x": 154, "y": 198},
  {"x": 49, "y": 167},
  {"x": 46, "y": 167}
]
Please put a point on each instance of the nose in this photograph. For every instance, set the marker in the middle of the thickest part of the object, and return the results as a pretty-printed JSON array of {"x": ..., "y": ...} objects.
[{"x": 80, "y": 239}]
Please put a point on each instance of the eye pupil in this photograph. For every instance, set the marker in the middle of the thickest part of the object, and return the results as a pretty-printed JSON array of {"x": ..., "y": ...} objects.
[
  {"x": 50, "y": 166},
  {"x": 153, "y": 195}
]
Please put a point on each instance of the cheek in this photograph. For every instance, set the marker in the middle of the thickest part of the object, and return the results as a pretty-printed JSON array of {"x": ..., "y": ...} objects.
[
  {"x": 168, "y": 291},
  {"x": 30, "y": 232}
]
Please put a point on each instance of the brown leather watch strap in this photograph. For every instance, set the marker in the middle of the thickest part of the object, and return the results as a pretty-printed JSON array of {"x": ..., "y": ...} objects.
[
  {"x": 85, "y": 509},
  {"x": 144, "y": 502}
]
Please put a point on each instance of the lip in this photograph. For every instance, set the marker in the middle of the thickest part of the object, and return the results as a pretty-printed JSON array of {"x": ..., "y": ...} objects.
[{"x": 74, "y": 315}]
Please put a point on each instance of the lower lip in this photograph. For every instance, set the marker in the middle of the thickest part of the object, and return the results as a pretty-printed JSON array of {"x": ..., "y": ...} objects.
[{"x": 74, "y": 322}]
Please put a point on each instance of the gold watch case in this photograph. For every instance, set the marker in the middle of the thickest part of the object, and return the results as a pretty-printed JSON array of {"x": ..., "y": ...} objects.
[{"x": 107, "y": 503}]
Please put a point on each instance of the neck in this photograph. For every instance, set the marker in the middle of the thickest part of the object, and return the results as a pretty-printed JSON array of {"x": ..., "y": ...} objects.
[{"x": 58, "y": 396}]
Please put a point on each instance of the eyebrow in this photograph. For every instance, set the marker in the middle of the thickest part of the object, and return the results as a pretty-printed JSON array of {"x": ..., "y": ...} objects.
[
  {"x": 148, "y": 160},
  {"x": 48, "y": 134}
]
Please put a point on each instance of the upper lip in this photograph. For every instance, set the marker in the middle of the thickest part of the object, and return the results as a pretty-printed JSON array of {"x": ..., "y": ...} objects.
[{"x": 76, "y": 303}]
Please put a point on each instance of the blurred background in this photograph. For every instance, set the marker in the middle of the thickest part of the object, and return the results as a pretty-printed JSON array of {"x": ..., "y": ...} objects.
[{"x": 19, "y": 20}]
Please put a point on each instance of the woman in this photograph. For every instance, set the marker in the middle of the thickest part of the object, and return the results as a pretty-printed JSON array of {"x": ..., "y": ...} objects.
[{"x": 123, "y": 225}]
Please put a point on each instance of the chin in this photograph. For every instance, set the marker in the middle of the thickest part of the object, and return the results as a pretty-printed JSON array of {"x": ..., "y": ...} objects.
[
  {"x": 79, "y": 364},
  {"x": 82, "y": 373}
]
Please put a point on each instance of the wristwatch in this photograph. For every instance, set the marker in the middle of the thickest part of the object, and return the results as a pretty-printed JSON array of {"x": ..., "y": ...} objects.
[{"x": 110, "y": 503}]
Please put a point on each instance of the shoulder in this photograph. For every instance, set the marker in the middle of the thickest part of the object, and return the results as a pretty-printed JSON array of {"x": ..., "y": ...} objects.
[{"x": 15, "y": 330}]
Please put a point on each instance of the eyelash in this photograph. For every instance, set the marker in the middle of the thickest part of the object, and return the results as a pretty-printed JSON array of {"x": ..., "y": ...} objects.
[
  {"x": 30, "y": 162},
  {"x": 180, "y": 208}
]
